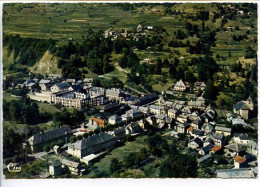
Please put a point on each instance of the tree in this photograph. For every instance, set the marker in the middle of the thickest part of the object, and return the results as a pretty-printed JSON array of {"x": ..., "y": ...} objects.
[
  {"x": 210, "y": 91},
  {"x": 46, "y": 148},
  {"x": 115, "y": 166},
  {"x": 73, "y": 139},
  {"x": 158, "y": 66},
  {"x": 179, "y": 166}
]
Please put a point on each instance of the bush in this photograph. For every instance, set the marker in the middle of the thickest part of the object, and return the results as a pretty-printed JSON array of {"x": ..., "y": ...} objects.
[{"x": 46, "y": 148}]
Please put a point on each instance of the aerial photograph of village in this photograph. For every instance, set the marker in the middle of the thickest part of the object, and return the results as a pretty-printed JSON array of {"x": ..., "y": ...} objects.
[{"x": 129, "y": 90}]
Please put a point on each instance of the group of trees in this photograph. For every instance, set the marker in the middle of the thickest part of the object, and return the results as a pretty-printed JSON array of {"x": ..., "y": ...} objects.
[
  {"x": 68, "y": 118},
  {"x": 29, "y": 50},
  {"x": 174, "y": 164},
  {"x": 23, "y": 111}
]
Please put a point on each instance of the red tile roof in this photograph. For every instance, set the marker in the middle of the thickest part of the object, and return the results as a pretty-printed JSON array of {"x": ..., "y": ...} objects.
[
  {"x": 239, "y": 159},
  {"x": 216, "y": 148}
]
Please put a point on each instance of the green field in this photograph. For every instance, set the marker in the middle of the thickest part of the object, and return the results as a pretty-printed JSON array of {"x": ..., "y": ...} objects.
[{"x": 119, "y": 153}]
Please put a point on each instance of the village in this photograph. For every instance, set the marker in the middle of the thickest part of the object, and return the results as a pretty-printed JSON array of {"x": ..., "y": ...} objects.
[{"x": 190, "y": 117}]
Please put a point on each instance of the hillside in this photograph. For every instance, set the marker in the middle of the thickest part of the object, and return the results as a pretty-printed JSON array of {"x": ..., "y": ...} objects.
[
  {"x": 185, "y": 40},
  {"x": 48, "y": 64}
]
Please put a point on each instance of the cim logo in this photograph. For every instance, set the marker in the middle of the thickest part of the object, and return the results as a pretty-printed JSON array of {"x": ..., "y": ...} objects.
[{"x": 13, "y": 169}]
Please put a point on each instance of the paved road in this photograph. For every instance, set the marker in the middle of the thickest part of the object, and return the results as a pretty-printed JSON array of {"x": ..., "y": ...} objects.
[
  {"x": 38, "y": 155},
  {"x": 120, "y": 69},
  {"x": 135, "y": 90}
]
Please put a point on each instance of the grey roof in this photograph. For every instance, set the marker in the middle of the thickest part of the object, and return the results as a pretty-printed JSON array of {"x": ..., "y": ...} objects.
[
  {"x": 161, "y": 116},
  {"x": 241, "y": 105},
  {"x": 235, "y": 173},
  {"x": 207, "y": 127},
  {"x": 44, "y": 81},
  {"x": 197, "y": 141},
  {"x": 180, "y": 83},
  {"x": 91, "y": 141},
  {"x": 49, "y": 135},
  {"x": 197, "y": 132},
  {"x": 235, "y": 147},
  {"x": 242, "y": 136},
  {"x": 199, "y": 84},
  {"x": 69, "y": 163},
  {"x": 208, "y": 147},
  {"x": 225, "y": 129},
  {"x": 238, "y": 121},
  {"x": 173, "y": 110},
  {"x": 62, "y": 85},
  {"x": 202, "y": 159},
  {"x": 253, "y": 144}
]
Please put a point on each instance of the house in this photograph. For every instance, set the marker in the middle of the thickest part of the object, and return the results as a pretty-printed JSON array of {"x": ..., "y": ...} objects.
[
  {"x": 244, "y": 108},
  {"x": 92, "y": 144},
  {"x": 252, "y": 148},
  {"x": 74, "y": 167},
  {"x": 114, "y": 94},
  {"x": 114, "y": 119},
  {"x": 155, "y": 109},
  {"x": 134, "y": 113},
  {"x": 160, "y": 118},
  {"x": 201, "y": 99},
  {"x": 179, "y": 86},
  {"x": 149, "y": 27},
  {"x": 133, "y": 129},
  {"x": 196, "y": 133},
  {"x": 239, "y": 162},
  {"x": 150, "y": 120},
  {"x": 206, "y": 149},
  {"x": 199, "y": 86},
  {"x": 181, "y": 128},
  {"x": 207, "y": 127},
  {"x": 186, "y": 110},
  {"x": 215, "y": 149},
  {"x": 38, "y": 141},
  {"x": 126, "y": 117},
  {"x": 173, "y": 113},
  {"x": 120, "y": 133},
  {"x": 241, "y": 138},
  {"x": 139, "y": 28},
  {"x": 88, "y": 80},
  {"x": 196, "y": 124},
  {"x": 71, "y": 81},
  {"x": 234, "y": 149},
  {"x": 235, "y": 173},
  {"x": 147, "y": 60},
  {"x": 223, "y": 130},
  {"x": 182, "y": 118},
  {"x": 144, "y": 109},
  {"x": 238, "y": 121},
  {"x": 97, "y": 121},
  {"x": 55, "y": 168},
  {"x": 194, "y": 144},
  {"x": 168, "y": 104},
  {"x": 218, "y": 139}
]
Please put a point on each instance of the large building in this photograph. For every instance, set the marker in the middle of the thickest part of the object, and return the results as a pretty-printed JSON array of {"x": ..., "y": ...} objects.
[
  {"x": 91, "y": 145},
  {"x": 38, "y": 141}
]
